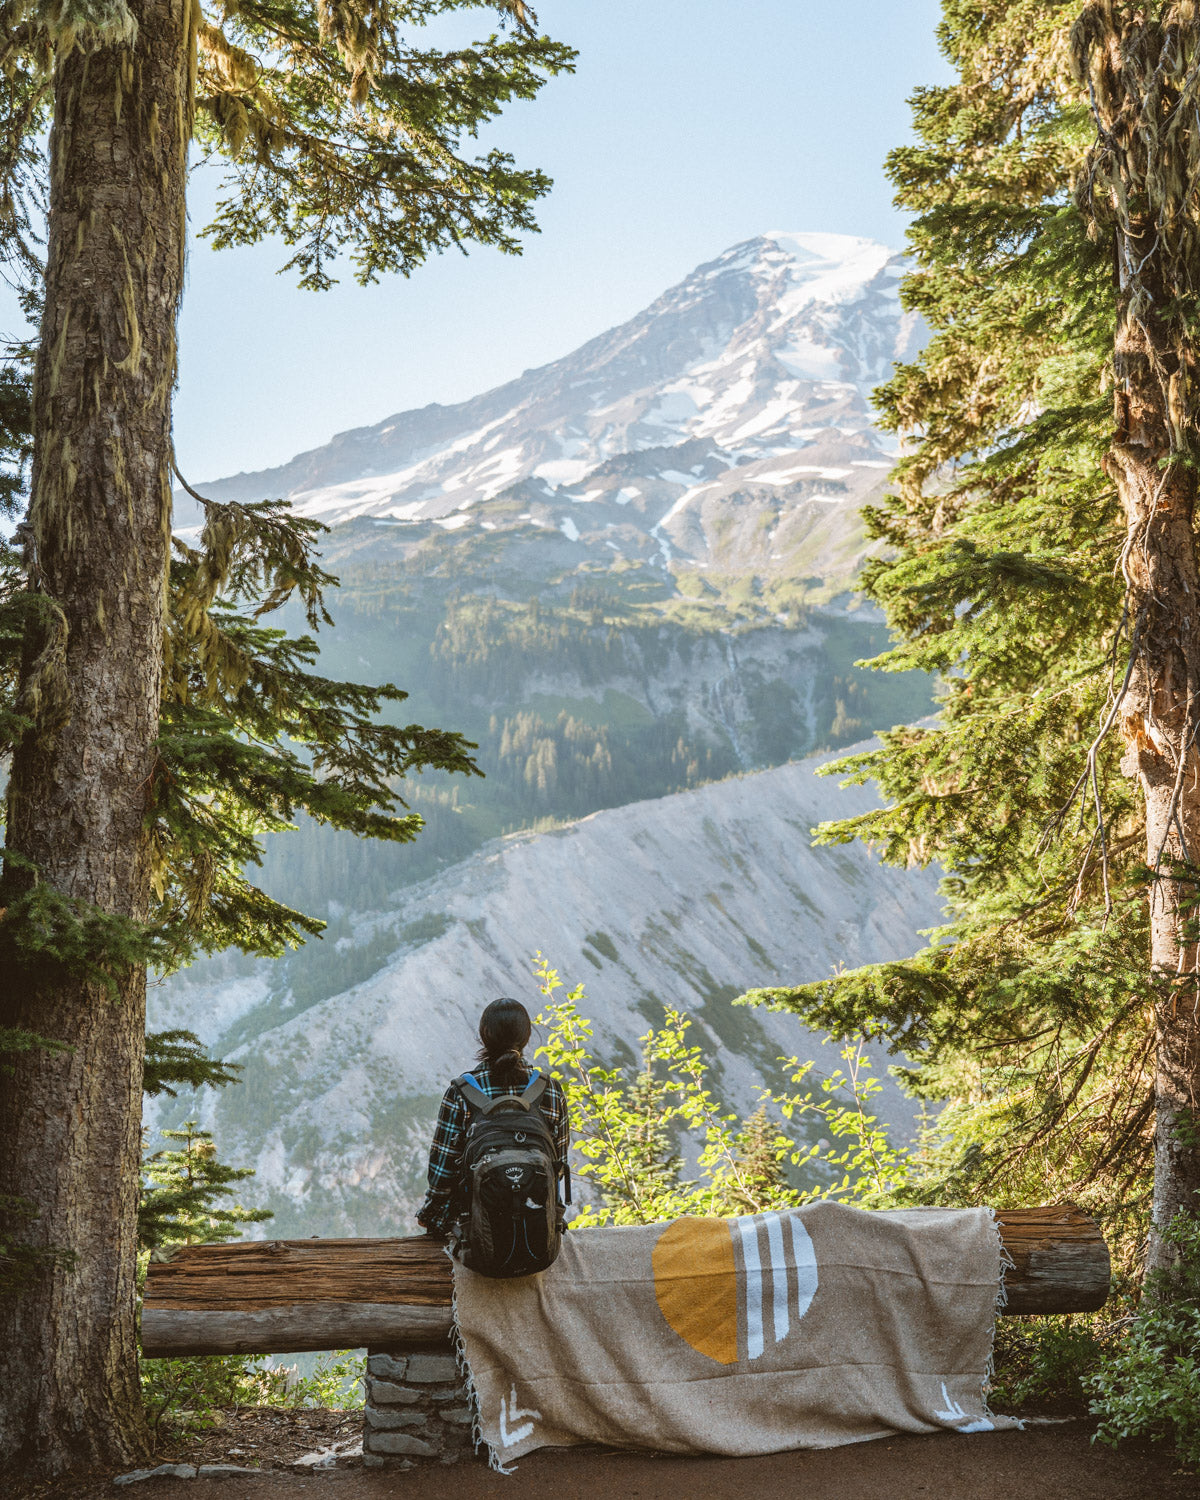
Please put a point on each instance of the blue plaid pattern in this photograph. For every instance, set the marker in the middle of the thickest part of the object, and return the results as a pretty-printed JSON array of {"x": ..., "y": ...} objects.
[{"x": 446, "y": 1198}]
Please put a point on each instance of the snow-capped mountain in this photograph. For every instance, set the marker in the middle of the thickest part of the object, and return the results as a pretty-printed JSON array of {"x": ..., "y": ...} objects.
[
  {"x": 738, "y": 402},
  {"x": 622, "y": 575}
]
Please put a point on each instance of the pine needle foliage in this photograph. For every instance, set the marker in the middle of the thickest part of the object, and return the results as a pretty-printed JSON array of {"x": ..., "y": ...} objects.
[
  {"x": 344, "y": 132},
  {"x": 138, "y": 798},
  {"x": 184, "y": 1190},
  {"x": 251, "y": 736},
  {"x": 177, "y": 1059},
  {"x": 1031, "y": 1007},
  {"x": 185, "y": 1193},
  {"x": 346, "y": 128}
]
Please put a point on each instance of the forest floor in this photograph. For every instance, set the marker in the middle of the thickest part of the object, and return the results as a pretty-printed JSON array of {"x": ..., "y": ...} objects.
[{"x": 1059, "y": 1462}]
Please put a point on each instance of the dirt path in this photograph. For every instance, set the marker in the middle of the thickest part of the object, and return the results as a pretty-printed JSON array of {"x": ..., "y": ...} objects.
[{"x": 1046, "y": 1463}]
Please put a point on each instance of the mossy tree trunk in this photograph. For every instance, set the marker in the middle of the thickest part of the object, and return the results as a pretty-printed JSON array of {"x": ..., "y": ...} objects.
[
  {"x": 1160, "y": 720},
  {"x": 79, "y": 785},
  {"x": 1141, "y": 67}
]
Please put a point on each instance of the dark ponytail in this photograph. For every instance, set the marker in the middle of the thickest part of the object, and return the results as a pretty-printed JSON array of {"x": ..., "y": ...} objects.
[{"x": 504, "y": 1029}]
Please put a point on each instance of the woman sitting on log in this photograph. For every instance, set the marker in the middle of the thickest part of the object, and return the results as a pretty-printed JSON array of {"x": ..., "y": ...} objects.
[{"x": 499, "y": 1154}]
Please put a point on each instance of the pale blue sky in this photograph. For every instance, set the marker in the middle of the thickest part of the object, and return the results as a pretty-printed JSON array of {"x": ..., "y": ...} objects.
[{"x": 689, "y": 125}]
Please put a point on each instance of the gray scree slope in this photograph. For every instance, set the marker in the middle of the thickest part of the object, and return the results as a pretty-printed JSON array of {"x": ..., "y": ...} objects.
[{"x": 684, "y": 901}]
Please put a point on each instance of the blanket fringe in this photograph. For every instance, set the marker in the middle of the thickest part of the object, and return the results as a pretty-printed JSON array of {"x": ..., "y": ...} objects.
[
  {"x": 1006, "y": 1264},
  {"x": 464, "y": 1369}
]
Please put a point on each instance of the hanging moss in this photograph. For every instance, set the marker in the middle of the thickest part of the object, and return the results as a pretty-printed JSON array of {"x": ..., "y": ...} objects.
[{"x": 86, "y": 24}]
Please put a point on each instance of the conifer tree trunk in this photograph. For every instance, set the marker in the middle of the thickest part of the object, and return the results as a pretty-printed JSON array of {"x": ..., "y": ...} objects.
[
  {"x": 1141, "y": 65},
  {"x": 100, "y": 522},
  {"x": 1159, "y": 721}
]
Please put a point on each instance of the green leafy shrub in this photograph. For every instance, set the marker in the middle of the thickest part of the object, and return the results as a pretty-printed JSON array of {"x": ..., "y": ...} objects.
[
  {"x": 337, "y": 1382},
  {"x": 1046, "y": 1364},
  {"x": 631, "y": 1127},
  {"x": 1150, "y": 1386},
  {"x": 187, "y": 1394}
]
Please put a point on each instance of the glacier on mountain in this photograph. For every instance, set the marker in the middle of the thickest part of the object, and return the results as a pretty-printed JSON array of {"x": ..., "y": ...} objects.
[{"x": 753, "y": 373}]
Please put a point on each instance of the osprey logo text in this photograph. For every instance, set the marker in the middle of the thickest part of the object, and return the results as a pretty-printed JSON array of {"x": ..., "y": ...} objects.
[
  {"x": 511, "y": 1412},
  {"x": 514, "y": 1174}
]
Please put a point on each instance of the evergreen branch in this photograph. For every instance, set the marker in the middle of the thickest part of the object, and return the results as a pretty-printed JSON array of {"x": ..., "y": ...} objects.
[{"x": 178, "y": 1057}]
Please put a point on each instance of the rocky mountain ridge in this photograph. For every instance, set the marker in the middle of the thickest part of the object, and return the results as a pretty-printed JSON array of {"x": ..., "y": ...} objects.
[
  {"x": 685, "y": 901},
  {"x": 626, "y": 577},
  {"x": 729, "y": 423}
]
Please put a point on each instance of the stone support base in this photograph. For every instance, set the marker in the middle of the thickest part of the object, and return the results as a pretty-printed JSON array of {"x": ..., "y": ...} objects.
[{"x": 417, "y": 1408}]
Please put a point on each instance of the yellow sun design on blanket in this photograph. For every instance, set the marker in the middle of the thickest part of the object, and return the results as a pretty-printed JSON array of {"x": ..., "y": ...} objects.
[{"x": 704, "y": 1299}]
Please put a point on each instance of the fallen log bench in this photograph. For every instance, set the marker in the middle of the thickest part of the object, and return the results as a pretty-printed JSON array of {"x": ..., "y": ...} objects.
[{"x": 291, "y": 1296}]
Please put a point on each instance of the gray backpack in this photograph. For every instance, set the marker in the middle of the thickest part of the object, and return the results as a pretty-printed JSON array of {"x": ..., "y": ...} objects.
[{"x": 514, "y": 1220}]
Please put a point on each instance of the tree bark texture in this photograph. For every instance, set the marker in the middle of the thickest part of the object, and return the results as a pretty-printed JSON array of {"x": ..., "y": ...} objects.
[
  {"x": 1160, "y": 715},
  {"x": 78, "y": 791}
]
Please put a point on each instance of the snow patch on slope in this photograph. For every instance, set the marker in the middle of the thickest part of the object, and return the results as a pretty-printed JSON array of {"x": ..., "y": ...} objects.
[{"x": 769, "y": 351}]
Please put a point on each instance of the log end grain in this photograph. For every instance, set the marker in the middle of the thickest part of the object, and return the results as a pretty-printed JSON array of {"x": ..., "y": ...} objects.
[{"x": 1060, "y": 1263}]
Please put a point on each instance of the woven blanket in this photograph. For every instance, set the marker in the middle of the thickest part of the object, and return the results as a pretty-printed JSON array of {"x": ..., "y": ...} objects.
[{"x": 806, "y": 1329}]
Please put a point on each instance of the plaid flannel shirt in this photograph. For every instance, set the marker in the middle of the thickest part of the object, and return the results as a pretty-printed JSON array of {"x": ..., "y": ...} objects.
[{"x": 446, "y": 1198}]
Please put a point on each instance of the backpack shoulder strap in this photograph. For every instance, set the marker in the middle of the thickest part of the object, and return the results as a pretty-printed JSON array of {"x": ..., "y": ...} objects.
[
  {"x": 473, "y": 1094},
  {"x": 534, "y": 1090}
]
